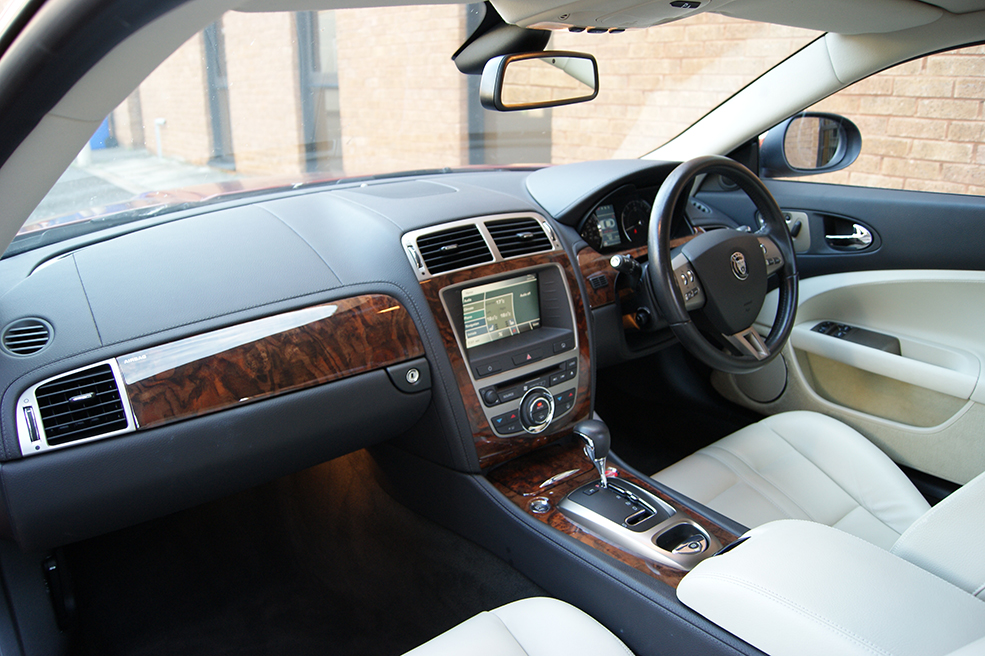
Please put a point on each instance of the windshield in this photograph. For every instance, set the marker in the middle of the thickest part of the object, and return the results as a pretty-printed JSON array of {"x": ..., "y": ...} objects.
[{"x": 312, "y": 96}]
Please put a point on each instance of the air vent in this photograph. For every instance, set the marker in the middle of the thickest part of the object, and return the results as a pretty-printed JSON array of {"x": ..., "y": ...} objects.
[
  {"x": 453, "y": 249},
  {"x": 518, "y": 236},
  {"x": 84, "y": 404},
  {"x": 26, "y": 337}
]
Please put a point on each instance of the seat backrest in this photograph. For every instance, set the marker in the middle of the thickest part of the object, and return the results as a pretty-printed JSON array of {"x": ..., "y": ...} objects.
[{"x": 948, "y": 538}]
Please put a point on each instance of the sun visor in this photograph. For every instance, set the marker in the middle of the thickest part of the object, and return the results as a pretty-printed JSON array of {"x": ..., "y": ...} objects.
[
  {"x": 593, "y": 16},
  {"x": 839, "y": 16}
]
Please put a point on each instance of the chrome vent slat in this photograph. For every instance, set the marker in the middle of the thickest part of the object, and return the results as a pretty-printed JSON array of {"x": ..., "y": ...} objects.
[
  {"x": 26, "y": 337},
  {"x": 453, "y": 249},
  {"x": 62, "y": 386},
  {"x": 68, "y": 413},
  {"x": 521, "y": 236}
]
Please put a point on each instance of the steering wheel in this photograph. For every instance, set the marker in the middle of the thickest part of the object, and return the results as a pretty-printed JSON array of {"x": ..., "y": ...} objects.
[{"x": 721, "y": 275}]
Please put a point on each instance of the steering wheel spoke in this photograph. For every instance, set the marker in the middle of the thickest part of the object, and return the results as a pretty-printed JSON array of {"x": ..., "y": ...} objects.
[
  {"x": 687, "y": 283},
  {"x": 750, "y": 342},
  {"x": 774, "y": 258}
]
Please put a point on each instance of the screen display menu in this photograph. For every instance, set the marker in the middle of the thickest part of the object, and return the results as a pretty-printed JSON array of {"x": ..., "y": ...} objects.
[
  {"x": 605, "y": 218},
  {"x": 500, "y": 309}
]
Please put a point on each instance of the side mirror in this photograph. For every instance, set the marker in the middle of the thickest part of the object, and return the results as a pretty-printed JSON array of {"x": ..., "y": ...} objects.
[
  {"x": 538, "y": 79},
  {"x": 809, "y": 144}
]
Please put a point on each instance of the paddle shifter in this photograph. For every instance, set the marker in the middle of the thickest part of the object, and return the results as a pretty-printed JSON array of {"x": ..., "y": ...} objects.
[{"x": 595, "y": 435}]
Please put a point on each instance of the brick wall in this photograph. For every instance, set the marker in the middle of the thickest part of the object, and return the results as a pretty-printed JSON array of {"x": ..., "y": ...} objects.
[
  {"x": 402, "y": 100},
  {"x": 128, "y": 123},
  {"x": 264, "y": 92},
  {"x": 176, "y": 92},
  {"x": 656, "y": 82},
  {"x": 921, "y": 123}
]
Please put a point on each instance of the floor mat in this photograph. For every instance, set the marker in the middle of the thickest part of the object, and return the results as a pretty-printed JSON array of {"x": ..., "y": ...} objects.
[{"x": 321, "y": 562}]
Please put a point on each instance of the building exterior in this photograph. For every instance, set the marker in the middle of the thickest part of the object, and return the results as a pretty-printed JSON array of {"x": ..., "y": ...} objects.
[{"x": 336, "y": 99}]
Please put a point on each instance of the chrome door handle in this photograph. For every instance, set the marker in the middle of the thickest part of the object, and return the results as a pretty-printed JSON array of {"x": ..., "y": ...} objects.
[{"x": 860, "y": 238}]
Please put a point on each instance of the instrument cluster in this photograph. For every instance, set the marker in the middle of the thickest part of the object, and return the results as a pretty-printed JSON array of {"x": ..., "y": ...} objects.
[{"x": 621, "y": 220}]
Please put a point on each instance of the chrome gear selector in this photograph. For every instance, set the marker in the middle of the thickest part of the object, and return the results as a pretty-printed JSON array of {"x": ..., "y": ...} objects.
[{"x": 595, "y": 435}]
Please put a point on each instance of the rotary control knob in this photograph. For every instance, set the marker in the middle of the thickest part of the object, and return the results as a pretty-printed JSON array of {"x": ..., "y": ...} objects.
[{"x": 536, "y": 410}]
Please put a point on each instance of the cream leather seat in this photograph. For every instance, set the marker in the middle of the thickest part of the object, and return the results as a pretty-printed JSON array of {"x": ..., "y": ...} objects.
[
  {"x": 801, "y": 465},
  {"x": 529, "y": 627}
]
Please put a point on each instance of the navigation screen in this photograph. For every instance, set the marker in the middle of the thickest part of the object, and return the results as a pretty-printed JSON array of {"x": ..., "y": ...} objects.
[{"x": 500, "y": 309}]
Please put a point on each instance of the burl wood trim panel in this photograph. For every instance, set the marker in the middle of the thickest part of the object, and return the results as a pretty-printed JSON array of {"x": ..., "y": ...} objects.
[
  {"x": 492, "y": 449},
  {"x": 591, "y": 262},
  {"x": 268, "y": 357},
  {"x": 524, "y": 479}
]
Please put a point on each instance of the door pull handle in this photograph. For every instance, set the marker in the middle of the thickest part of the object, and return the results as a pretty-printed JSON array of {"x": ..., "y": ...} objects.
[{"x": 861, "y": 237}]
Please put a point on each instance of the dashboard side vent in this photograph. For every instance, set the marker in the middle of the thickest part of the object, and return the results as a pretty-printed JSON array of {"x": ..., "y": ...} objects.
[
  {"x": 84, "y": 404},
  {"x": 26, "y": 337},
  {"x": 453, "y": 249},
  {"x": 520, "y": 236}
]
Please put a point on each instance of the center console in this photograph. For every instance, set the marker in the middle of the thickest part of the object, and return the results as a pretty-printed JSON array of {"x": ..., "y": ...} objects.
[
  {"x": 513, "y": 324},
  {"x": 516, "y": 335}
]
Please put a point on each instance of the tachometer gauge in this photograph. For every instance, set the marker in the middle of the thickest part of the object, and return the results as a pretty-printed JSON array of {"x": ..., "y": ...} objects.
[
  {"x": 635, "y": 219},
  {"x": 591, "y": 233}
]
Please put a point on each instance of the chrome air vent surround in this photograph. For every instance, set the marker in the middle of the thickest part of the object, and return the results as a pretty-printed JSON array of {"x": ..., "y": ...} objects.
[
  {"x": 454, "y": 248},
  {"x": 82, "y": 405},
  {"x": 520, "y": 236},
  {"x": 504, "y": 236},
  {"x": 26, "y": 337}
]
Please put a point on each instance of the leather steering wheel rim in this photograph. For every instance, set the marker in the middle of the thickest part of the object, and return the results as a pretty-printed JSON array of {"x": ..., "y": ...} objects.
[{"x": 663, "y": 283}]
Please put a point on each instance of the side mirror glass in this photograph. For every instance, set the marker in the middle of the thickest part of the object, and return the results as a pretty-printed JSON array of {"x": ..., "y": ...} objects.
[
  {"x": 812, "y": 142},
  {"x": 538, "y": 79},
  {"x": 808, "y": 144}
]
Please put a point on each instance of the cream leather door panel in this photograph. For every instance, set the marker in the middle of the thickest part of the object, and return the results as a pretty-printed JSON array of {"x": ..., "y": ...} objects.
[{"x": 924, "y": 407}]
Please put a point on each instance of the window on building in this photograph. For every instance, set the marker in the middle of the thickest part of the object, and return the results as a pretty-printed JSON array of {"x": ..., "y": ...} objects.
[
  {"x": 217, "y": 80},
  {"x": 320, "y": 106}
]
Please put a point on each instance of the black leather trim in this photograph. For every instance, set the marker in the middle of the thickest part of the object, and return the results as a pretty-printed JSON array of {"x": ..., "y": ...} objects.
[{"x": 64, "y": 496}]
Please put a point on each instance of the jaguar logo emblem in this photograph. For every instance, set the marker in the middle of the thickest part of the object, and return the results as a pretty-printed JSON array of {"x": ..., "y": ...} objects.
[{"x": 739, "y": 266}]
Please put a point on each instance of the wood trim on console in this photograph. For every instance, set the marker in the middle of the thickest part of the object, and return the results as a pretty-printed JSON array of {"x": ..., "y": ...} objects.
[
  {"x": 529, "y": 477},
  {"x": 491, "y": 448},
  {"x": 592, "y": 263},
  {"x": 268, "y": 357}
]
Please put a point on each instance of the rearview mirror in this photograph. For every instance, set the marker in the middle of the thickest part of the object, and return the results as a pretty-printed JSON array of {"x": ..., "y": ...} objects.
[
  {"x": 538, "y": 79},
  {"x": 809, "y": 143}
]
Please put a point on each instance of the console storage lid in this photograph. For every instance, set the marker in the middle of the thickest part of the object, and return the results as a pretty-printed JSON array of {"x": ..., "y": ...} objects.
[{"x": 796, "y": 587}]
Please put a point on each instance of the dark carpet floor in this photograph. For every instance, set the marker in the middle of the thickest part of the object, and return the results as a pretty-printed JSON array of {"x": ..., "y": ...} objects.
[
  {"x": 321, "y": 562},
  {"x": 662, "y": 408}
]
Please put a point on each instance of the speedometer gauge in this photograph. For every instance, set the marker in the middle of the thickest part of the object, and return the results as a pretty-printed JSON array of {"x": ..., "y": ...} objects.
[{"x": 635, "y": 219}]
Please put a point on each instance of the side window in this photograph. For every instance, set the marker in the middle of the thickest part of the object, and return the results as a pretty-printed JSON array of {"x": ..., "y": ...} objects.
[{"x": 922, "y": 125}]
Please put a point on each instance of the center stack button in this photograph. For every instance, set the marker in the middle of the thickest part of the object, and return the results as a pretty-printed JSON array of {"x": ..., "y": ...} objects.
[{"x": 536, "y": 410}]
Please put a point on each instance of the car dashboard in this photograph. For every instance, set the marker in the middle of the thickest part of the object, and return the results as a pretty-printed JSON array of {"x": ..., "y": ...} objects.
[{"x": 201, "y": 353}]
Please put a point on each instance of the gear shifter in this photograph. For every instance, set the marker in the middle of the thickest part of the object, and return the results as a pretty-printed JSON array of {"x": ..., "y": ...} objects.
[{"x": 595, "y": 435}]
